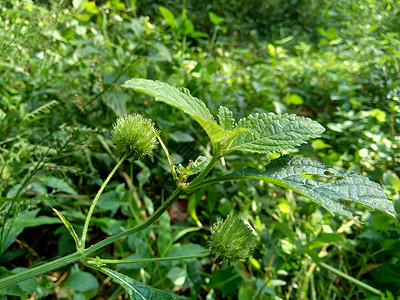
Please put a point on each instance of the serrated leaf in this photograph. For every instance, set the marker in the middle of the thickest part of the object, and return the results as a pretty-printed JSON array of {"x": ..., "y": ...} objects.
[
  {"x": 323, "y": 184},
  {"x": 137, "y": 290},
  {"x": 225, "y": 118},
  {"x": 194, "y": 167},
  {"x": 181, "y": 99},
  {"x": 273, "y": 133}
]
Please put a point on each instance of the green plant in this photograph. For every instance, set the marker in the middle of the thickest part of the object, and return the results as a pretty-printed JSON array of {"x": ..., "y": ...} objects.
[{"x": 260, "y": 133}]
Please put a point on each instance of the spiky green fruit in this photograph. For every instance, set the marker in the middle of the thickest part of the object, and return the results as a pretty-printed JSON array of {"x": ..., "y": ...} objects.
[
  {"x": 134, "y": 135},
  {"x": 232, "y": 239}
]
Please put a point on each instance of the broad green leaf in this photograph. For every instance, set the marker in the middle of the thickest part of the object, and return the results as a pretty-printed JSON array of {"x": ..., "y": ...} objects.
[
  {"x": 37, "y": 221},
  {"x": 137, "y": 290},
  {"x": 81, "y": 281},
  {"x": 186, "y": 26},
  {"x": 225, "y": 118},
  {"x": 58, "y": 184},
  {"x": 274, "y": 133},
  {"x": 181, "y": 137},
  {"x": 180, "y": 98},
  {"x": 324, "y": 185},
  {"x": 227, "y": 280},
  {"x": 14, "y": 226},
  {"x": 164, "y": 238},
  {"x": 215, "y": 19},
  {"x": 178, "y": 276}
]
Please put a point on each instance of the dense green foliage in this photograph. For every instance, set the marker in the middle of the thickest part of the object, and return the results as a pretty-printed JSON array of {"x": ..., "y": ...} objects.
[{"x": 61, "y": 75}]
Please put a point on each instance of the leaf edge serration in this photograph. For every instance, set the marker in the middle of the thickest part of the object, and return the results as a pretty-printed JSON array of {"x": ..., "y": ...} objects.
[{"x": 252, "y": 142}]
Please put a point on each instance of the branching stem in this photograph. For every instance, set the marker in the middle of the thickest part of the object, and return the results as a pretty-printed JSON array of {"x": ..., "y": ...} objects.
[{"x": 83, "y": 253}]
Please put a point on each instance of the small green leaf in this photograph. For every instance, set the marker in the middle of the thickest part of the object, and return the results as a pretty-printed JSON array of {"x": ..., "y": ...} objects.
[
  {"x": 193, "y": 167},
  {"x": 69, "y": 227},
  {"x": 58, "y": 184},
  {"x": 191, "y": 208},
  {"x": 392, "y": 181},
  {"x": 137, "y": 290},
  {"x": 187, "y": 27},
  {"x": 274, "y": 133},
  {"x": 215, "y": 19},
  {"x": 167, "y": 15},
  {"x": 181, "y": 99},
  {"x": 294, "y": 99},
  {"x": 90, "y": 7},
  {"x": 325, "y": 185},
  {"x": 225, "y": 117}
]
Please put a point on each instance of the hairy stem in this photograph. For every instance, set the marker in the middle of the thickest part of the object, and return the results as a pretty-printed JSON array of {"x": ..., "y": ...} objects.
[
  {"x": 138, "y": 228},
  {"x": 352, "y": 279},
  {"x": 47, "y": 267},
  {"x": 14, "y": 279},
  {"x": 149, "y": 260},
  {"x": 90, "y": 213}
]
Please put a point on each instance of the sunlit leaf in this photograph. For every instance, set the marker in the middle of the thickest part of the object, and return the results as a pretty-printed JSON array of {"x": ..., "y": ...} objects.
[
  {"x": 180, "y": 98},
  {"x": 273, "y": 133},
  {"x": 327, "y": 186}
]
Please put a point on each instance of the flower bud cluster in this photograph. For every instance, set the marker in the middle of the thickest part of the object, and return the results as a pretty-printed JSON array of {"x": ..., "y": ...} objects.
[
  {"x": 134, "y": 135},
  {"x": 232, "y": 239}
]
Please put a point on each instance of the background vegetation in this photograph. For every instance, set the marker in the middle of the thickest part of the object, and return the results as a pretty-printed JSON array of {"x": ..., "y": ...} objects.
[{"x": 61, "y": 67}]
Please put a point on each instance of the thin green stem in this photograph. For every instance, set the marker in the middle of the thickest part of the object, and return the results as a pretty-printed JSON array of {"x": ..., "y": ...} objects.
[
  {"x": 14, "y": 279},
  {"x": 149, "y": 260},
  {"x": 138, "y": 228},
  {"x": 90, "y": 213},
  {"x": 167, "y": 154},
  {"x": 213, "y": 38},
  {"x": 352, "y": 279}
]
